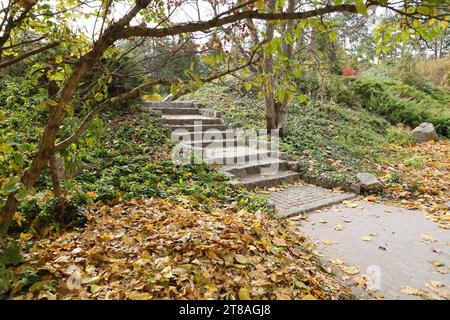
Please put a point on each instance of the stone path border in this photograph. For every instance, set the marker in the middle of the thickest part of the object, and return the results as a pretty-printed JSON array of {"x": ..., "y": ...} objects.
[{"x": 301, "y": 198}]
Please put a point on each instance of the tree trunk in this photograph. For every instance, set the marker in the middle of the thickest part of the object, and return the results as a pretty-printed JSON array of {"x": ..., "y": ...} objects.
[
  {"x": 289, "y": 53},
  {"x": 269, "y": 85},
  {"x": 47, "y": 144},
  {"x": 56, "y": 183},
  {"x": 276, "y": 110}
]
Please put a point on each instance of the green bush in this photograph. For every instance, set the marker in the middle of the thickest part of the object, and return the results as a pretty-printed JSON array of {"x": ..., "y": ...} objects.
[
  {"x": 396, "y": 101},
  {"x": 38, "y": 215}
]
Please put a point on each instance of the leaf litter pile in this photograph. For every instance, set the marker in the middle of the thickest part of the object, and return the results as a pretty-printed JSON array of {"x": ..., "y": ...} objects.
[
  {"x": 422, "y": 181},
  {"x": 157, "y": 249}
]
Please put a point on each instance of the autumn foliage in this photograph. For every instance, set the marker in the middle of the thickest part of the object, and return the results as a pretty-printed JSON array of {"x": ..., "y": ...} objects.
[{"x": 349, "y": 72}]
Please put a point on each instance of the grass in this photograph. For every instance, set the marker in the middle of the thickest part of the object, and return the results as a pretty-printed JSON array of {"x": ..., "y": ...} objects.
[
  {"x": 132, "y": 159},
  {"x": 396, "y": 101}
]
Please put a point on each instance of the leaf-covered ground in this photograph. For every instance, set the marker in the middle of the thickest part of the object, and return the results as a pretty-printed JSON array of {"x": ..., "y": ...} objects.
[
  {"x": 157, "y": 249},
  {"x": 421, "y": 181}
]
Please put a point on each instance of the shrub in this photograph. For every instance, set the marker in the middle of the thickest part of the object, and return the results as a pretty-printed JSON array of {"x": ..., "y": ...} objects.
[{"x": 396, "y": 101}]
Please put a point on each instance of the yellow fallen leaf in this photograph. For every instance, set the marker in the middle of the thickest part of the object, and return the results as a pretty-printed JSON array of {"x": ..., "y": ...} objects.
[
  {"x": 328, "y": 242},
  {"x": 350, "y": 270},
  {"x": 279, "y": 242},
  {"x": 414, "y": 292},
  {"x": 25, "y": 236},
  {"x": 437, "y": 263},
  {"x": 366, "y": 238},
  {"x": 211, "y": 287},
  {"x": 337, "y": 262},
  {"x": 349, "y": 204},
  {"x": 91, "y": 195},
  {"x": 283, "y": 296},
  {"x": 427, "y": 238},
  {"x": 361, "y": 281},
  {"x": 309, "y": 297},
  {"x": 371, "y": 198},
  {"x": 136, "y": 295},
  {"x": 240, "y": 258},
  {"x": 106, "y": 236},
  {"x": 437, "y": 284},
  {"x": 443, "y": 293}
]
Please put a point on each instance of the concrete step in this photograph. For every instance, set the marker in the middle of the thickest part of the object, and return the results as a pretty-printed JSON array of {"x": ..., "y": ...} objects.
[
  {"x": 211, "y": 143},
  {"x": 198, "y": 129},
  {"x": 260, "y": 181},
  {"x": 302, "y": 198},
  {"x": 189, "y": 120},
  {"x": 257, "y": 167},
  {"x": 215, "y": 135},
  {"x": 230, "y": 157},
  {"x": 172, "y": 104},
  {"x": 179, "y": 111}
]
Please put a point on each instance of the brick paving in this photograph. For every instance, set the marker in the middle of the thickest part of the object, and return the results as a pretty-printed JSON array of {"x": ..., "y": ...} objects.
[
  {"x": 403, "y": 245},
  {"x": 301, "y": 198}
]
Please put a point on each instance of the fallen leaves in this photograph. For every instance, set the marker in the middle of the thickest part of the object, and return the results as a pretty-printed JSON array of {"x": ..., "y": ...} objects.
[
  {"x": 352, "y": 270},
  {"x": 415, "y": 292},
  {"x": 427, "y": 238},
  {"x": 241, "y": 259},
  {"x": 159, "y": 249},
  {"x": 244, "y": 294},
  {"x": 420, "y": 182},
  {"x": 350, "y": 204},
  {"x": 371, "y": 198}
]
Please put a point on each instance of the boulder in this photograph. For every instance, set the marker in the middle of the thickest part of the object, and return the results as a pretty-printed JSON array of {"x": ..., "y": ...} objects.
[
  {"x": 368, "y": 182},
  {"x": 424, "y": 132}
]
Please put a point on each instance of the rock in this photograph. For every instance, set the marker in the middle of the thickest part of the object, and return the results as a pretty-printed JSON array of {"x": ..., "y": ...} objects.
[
  {"x": 356, "y": 188},
  {"x": 424, "y": 132},
  {"x": 368, "y": 182}
]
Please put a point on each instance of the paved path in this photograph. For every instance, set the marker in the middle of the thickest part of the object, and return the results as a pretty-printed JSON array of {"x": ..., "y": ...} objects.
[
  {"x": 302, "y": 197},
  {"x": 400, "y": 247}
]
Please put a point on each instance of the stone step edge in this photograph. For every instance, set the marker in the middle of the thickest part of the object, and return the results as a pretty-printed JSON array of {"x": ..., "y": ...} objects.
[
  {"x": 272, "y": 180},
  {"x": 348, "y": 196}
]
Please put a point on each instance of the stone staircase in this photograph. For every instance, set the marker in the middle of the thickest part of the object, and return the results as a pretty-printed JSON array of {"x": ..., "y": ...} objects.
[{"x": 248, "y": 162}]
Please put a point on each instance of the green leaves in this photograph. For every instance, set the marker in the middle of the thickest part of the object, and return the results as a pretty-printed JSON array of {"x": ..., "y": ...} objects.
[
  {"x": 332, "y": 35},
  {"x": 11, "y": 186},
  {"x": 6, "y": 149},
  {"x": 273, "y": 45},
  {"x": 98, "y": 97},
  {"x": 57, "y": 76},
  {"x": 15, "y": 185},
  {"x": 361, "y": 7},
  {"x": 260, "y": 5}
]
